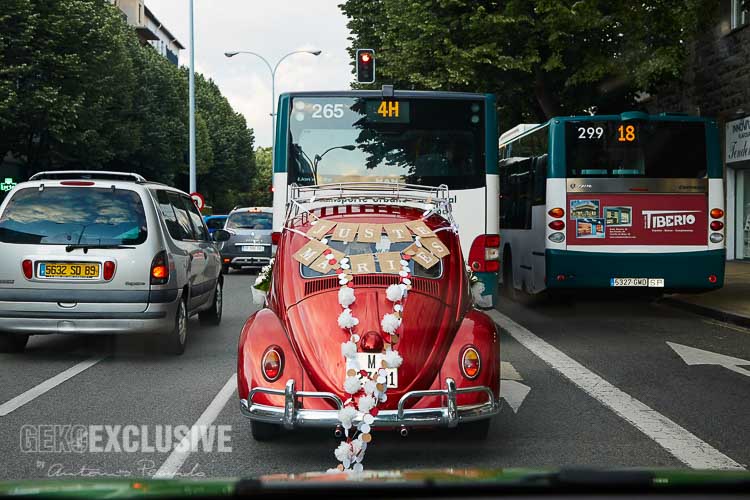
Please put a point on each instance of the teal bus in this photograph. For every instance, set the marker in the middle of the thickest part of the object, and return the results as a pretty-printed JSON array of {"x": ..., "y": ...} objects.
[
  {"x": 393, "y": 136},
  {"x": 629, "y": 200}
]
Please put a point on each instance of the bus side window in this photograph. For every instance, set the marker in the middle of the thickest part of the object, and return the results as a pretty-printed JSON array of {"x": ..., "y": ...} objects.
[{"x": 540, "y": 180}]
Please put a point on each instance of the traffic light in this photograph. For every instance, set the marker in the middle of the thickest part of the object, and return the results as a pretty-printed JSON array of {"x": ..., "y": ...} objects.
[{"x": 365, "y": 66}]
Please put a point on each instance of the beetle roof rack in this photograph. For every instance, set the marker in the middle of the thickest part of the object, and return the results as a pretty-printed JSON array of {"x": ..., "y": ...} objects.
[
  {"x": 302, "y": 199},
  {"x": 88, "y": 174}
]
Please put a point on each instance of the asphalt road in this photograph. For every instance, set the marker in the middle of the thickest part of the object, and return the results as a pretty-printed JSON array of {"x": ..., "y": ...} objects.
[{"x": 605, "y": 389}]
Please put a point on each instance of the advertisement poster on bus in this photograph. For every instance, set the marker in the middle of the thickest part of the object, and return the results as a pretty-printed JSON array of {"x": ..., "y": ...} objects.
[{"x": 658, "y": 219}]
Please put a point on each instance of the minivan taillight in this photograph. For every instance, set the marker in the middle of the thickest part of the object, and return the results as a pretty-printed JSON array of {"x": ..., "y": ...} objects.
[
  {"x": 28, "y": 269},
  {"x": 275, "y": 237},
  {"x": 108, "y": 271},
  {"x": 160, "y": 269}
]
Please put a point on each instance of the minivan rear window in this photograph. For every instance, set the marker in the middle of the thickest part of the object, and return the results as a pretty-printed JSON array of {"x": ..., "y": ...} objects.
[
  {"x": 74, "y": 215},
  {"x": 250, "y": 220}
]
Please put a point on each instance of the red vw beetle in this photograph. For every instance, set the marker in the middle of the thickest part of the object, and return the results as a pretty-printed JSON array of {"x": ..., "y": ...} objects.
[{"x": 295, "y": 366}]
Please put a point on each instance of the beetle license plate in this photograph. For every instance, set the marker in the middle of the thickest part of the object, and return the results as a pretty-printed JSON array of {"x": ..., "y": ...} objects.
[
  {"x": 638, "y": 282},
  {"x": 372, "y": 362},
  {"x": 76, "y": 270},
  {"x": 252, "y": 248}
]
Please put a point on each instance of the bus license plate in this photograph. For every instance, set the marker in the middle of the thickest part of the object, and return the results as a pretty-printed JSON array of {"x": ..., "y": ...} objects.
[
  {"x": 252, "y": 248},
  {"x": 77, "y": 270},
  {"x": 642, "y": 282},
  {"x": 371, "y": 362}
]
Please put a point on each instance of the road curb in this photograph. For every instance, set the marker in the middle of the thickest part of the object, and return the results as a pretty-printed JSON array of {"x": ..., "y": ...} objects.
[{"x": 710, "y": 312}]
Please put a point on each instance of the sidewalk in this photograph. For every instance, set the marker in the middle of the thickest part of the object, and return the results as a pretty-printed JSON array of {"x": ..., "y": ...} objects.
[{"x": 730, "y": 303}]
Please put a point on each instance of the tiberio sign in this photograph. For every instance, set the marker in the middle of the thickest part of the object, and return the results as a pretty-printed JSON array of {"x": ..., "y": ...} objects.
[{"x": 738, "y": 140}]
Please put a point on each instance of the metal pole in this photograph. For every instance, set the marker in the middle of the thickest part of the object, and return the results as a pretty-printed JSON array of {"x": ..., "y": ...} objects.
[
  {"x": 193, "y": 186},
  {"x": 273, "y": 114}
]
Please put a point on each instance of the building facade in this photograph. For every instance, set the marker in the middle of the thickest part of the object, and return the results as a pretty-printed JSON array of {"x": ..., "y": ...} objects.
[
  {"x": 150, "y": 30},
  {"x": 717, "y": 84}
]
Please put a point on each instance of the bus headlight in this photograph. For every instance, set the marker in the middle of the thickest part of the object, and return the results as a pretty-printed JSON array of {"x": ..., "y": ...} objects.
[
  {"x": 557, "y": 237},
  {"x": 716, "y": 238}
]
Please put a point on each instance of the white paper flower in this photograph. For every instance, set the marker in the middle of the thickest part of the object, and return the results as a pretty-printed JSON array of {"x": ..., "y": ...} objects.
[
  {"x": 346, "y": 320},
  {"x": 343, "y": 453},
  {"x": 390, "y": 323},
  {"x": 394, "y": 293},
  {"x": 368, "y": 419},
  {"x": 369, "y": 386},
  {"x": 357, "y": 445},
  {"x": 393, "y": 359},
  {"x": 346, "y": 415},
  {"x": 358, "y": 468},
  {"x": 352, "y": 385},
  {"x": 346, "y": 296},
  {"x": 349, "y": 349},
  {"x": 364, "y": 428},
  {"x": 366, "y": 403}
]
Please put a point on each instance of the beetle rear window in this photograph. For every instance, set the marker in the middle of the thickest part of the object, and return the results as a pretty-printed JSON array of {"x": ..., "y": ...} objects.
[{"x": 359, "y": 248}]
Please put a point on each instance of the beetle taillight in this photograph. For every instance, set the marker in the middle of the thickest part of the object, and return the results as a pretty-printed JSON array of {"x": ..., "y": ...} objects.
[
  {"x": 470, "y": 362},
  {"x": 272, "y": 363},
  {"x": 28, "y": 268}
]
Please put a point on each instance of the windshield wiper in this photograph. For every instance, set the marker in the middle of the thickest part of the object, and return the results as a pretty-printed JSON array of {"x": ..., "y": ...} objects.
[{"x": 86, "y": 248}]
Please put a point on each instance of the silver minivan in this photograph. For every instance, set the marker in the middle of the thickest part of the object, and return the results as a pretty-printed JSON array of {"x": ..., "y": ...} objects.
[{"x": 88, "y": 252}]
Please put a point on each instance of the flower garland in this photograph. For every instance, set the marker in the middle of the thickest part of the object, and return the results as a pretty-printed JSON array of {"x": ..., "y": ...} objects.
[
  {"x": 365, "y": 391},
  {"x": 263, "y": 283}
]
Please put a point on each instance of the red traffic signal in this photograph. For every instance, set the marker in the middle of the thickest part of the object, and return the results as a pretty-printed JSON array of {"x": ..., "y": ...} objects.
[{"x": 365, "y": 66}]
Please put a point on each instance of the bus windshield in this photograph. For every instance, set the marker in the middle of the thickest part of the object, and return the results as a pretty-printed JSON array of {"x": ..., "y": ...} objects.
[
  {"x": 645, "y": 149},
  {"x": 415, "y": 141}
]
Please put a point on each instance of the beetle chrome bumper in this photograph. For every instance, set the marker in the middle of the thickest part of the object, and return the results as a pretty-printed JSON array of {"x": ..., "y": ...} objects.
[{"x": 450, "y": 415}]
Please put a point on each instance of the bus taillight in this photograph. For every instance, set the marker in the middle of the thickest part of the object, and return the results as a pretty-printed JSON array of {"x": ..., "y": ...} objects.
[
  {"x": 717, "y": 213},
  {"x": 484, "y": 255},
  {"x": 557, "y": 212},
  {"x": 717, "y": 225},
  {"x": 557, "y": 225}
]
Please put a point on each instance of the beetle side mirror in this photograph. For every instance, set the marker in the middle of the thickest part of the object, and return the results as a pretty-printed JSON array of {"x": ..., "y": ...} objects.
[{"x": 221, "y": 235}]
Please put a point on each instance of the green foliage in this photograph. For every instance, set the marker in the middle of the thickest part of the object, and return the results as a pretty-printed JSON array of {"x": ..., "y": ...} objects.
[
  {"x": 541, "y": 57},
  {"x": 78, "y": 90}
]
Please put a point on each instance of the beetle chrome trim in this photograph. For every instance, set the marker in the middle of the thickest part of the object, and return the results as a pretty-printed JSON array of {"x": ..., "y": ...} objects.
[{"x": 450, "y": 415}]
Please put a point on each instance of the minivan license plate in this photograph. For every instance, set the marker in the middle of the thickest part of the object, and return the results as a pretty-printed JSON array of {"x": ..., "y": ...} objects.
[
  {"x": 252, "y": 248},
  {"x": 77, "y": 270},
  {"x": 372, "y": 362}
]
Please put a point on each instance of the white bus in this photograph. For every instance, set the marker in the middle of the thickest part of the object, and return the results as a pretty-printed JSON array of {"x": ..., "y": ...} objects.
[{"x": 423, "y": 138}]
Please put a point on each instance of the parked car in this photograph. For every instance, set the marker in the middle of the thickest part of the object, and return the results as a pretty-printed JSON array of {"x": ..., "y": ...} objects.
[
  {"x": 249, "y": 240},
  {"x": 214, "y": 222},
  {"x": 291, "y": 370},
  {"x": 104, "y": 253}
]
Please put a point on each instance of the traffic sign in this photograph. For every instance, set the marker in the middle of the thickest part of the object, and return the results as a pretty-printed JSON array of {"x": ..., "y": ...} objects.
[{"x": 198, "y": 199}]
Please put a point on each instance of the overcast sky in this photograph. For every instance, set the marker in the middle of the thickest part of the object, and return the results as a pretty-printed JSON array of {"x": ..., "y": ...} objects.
[{"x": 272, "y": 28}]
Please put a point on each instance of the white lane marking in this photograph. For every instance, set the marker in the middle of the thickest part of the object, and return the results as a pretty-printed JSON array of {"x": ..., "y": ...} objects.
[
  {"x": 678, "y": 441},
  {"x": 182, "y": 451},
  {"x": 693, "y": 356},
  {"x": 508, "y": 371},
  {"x": 514, "y": 393},
  {"x": 47, "y": 385}
]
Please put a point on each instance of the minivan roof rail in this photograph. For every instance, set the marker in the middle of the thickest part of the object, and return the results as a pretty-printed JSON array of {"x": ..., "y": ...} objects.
[{"x": 88, "y": 174}]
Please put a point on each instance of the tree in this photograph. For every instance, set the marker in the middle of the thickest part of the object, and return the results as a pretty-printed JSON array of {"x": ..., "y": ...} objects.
[
  {"x": 78, "y": 90},
  {"x": 541, "y": 57}
]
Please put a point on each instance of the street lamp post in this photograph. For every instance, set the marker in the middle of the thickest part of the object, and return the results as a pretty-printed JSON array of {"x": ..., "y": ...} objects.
[
  {"x": 272, "y": 69},
  {"x": 191, "y": 90}
]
